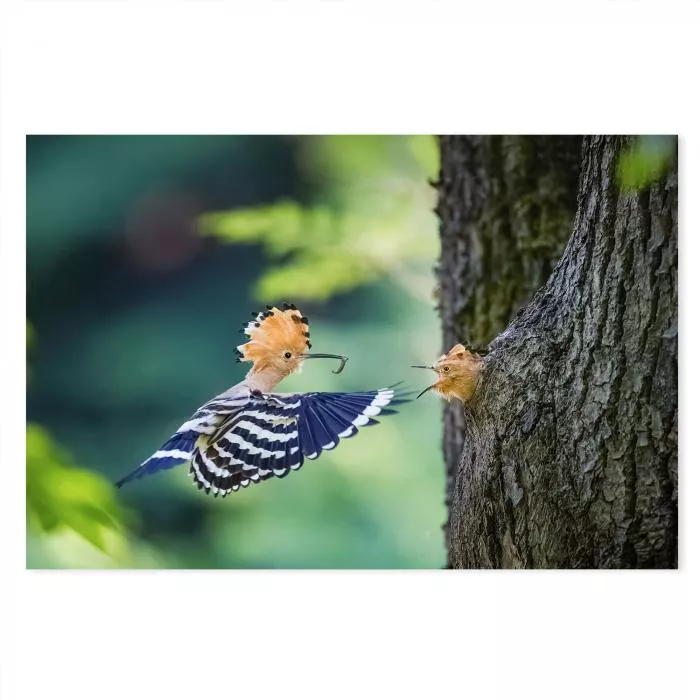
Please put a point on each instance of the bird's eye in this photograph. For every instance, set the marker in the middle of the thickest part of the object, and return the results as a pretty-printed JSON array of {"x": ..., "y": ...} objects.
[
  {"x": 445, "y": 369},
  {"x": 287, "y": 354}
]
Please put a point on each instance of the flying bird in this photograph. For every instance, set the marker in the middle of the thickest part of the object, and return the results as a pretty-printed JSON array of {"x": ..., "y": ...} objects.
[
  {"x": 250, "y": 433},
  {"x": 458, "y": 370}
]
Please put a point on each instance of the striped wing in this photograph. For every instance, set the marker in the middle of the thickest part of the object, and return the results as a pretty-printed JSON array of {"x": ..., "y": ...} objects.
[
  {"x": 180, "y": 447},
  {"x": 257, "y": 442},
  {"x": 273, "y": 434}
]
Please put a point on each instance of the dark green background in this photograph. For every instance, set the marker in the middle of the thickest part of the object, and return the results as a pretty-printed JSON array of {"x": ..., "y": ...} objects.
[{"x": 134, "y": 314}]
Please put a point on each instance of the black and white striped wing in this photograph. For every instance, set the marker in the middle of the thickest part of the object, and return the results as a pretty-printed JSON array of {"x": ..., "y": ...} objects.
[
  {"x": 327, "y": 417},
  {"x": 257, "y": 442},
  {"x": 181, "y": 446},
  {"x": 272, "y": 434}
]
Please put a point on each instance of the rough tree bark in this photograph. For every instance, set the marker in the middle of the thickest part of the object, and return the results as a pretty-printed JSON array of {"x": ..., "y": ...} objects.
[
  {"x": 506, "y": 207},
  {"x": 569, "y": 457}
]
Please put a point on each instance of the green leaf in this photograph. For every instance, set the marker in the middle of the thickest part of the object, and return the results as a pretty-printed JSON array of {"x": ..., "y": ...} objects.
[
  {"x": 376, "y": 224},
  {"x": 315, "y": 277},
  {"x": 646, "y": 161},
  {"x": 425, "y": 151},
  {"x": 61, "y": 495}
]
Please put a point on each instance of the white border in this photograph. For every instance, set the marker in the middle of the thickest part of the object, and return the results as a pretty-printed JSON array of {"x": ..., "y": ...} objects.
[{"x": 323, "y": 67}]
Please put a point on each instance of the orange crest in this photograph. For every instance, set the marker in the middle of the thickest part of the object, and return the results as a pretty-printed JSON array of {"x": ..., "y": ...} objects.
[
  {"x": 457, "y": 352},
  {"x": 273, "y": 333}
]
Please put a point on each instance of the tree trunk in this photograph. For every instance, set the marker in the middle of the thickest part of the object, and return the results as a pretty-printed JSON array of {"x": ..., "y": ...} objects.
[
  {"x": 506, "y": 205},
  {"x": 570, "y": 450}
]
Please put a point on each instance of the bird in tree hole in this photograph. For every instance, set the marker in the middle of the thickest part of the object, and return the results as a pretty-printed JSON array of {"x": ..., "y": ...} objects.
[
  {"x": 251, "y": 433},
  {"x": 458, "y": 370}
]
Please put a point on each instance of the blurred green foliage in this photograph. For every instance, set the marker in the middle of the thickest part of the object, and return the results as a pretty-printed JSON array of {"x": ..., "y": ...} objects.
[
  {"x": 375, "y": 222},
  {"x": 645, "y": 161},
  {"x": 61, "y": 495},
  {"x": 127, "y": 348}
]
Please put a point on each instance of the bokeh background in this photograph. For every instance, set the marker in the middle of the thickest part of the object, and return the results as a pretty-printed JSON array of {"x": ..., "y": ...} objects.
[{"x": 145, "y": 255}]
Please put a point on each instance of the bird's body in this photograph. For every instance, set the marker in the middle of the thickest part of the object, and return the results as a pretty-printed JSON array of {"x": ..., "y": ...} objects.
[
  {"x": 459, "y": 371},
  {"x": 250, "y": 433}
]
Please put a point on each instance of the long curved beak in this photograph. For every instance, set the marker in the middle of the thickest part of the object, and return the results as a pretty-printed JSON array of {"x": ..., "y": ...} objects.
[
  {"x": 322, "y": 355},
  {"x": 425, "y": 390},
  {"x": 429, "y": 387}
]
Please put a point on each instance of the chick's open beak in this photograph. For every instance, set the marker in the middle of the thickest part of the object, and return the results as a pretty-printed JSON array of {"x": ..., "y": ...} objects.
[{"x": 429, "y": 387}]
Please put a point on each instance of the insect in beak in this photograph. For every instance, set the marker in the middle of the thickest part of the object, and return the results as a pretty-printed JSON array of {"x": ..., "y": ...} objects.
[
  {"x": 342, "y": 358},
  {"x": 432, "y": 386}
]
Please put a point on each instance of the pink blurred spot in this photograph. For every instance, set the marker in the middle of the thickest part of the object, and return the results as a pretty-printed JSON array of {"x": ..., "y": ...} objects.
[{"x": 160, "y": 231}]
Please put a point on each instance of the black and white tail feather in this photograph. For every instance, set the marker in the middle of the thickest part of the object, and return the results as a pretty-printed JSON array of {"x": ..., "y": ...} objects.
[{"x": 244, "y": 438}]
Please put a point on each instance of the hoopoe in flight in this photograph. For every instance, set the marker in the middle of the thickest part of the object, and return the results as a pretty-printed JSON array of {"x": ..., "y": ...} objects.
[
  {"x": 250, "y": 433},
  {"x": 458, "y": 370}
]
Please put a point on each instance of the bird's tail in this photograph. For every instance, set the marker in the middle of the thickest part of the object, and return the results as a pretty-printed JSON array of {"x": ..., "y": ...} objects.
[{"x": 176, "y": 450}]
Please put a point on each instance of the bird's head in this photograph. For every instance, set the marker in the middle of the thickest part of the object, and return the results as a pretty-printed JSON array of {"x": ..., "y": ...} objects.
[
  {"x": 458, "y": 373},
  {"x": 279, "y": 343}
]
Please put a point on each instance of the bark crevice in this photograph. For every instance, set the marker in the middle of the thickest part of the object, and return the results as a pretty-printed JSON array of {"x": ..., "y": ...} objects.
[{"x": 567, "y": 454}]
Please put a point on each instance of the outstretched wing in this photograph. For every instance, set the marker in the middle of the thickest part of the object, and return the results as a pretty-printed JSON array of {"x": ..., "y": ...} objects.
[
  {"x": 180, "y": 447},
  {"x": 259, "y": 441},
  {"x": 273, "y": 433},
  {"x": 327, "y": 417}
]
